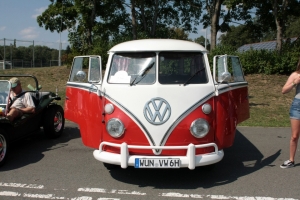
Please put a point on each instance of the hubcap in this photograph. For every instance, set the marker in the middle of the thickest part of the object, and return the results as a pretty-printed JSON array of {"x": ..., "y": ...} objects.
[
  {"x": 2, "y": 147},
  {"x": 58, "y": 121}
]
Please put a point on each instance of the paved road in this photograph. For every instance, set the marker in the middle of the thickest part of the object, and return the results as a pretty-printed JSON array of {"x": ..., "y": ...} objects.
[{"x": 64, "y": 168}]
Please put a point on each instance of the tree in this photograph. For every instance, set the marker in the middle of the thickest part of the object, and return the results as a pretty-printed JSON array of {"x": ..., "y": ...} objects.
[
  {"x": 293, "y": 27},
  {"x": 227, "y": 10},
  {"x": 178, "y": 33},
  {"x": 201, "y": 40},
  {"x": 83, "y": 19},
  {"x": 158, "y": 17},
  {"x": 275, "y": 14},
  {"x": 237, "y": 36}
]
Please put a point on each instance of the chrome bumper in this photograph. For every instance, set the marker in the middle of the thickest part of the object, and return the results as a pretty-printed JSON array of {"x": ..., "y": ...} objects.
[{"x": 190, "y": 160}]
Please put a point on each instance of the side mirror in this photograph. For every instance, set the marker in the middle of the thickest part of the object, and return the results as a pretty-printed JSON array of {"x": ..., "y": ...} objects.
[
  {"x": 225, "y": 77},
  {"x": 81, "y": 75}
]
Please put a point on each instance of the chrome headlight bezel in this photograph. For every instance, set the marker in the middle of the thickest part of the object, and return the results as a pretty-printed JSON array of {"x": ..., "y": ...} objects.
[
  {"x": 115, "y": 127},
  {"x": 199, "y": 128}
]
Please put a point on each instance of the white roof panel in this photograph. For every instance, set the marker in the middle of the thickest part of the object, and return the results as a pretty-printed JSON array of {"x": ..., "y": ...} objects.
[{"x": 157, "y": 45}]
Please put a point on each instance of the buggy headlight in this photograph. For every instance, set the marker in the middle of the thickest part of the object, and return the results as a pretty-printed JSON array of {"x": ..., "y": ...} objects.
[
  {"x": 115, "y": 127},
  {"x": 199, "y": 128}
]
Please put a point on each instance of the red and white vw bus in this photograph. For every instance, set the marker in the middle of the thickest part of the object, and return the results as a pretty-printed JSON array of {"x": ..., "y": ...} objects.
[{"x": 158, "y": 105}]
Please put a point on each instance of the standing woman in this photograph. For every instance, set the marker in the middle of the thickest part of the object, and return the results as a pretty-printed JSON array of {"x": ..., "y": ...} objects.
[{"x": 293, "y": 81}]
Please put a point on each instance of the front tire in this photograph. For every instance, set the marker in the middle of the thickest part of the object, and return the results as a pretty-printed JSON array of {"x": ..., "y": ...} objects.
[
  {"x": 54, "y": 121},
  {"x": 3, "y": 147}
]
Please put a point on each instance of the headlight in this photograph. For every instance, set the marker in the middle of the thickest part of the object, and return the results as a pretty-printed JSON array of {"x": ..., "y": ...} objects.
[
  {"x": 199, "y": 128},
  {"x": 115, "y": 127}
]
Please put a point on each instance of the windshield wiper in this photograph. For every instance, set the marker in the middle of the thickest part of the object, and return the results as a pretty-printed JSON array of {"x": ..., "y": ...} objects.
[
  {"x": 142, "y": 74},
  {"x": 197, "y": 72}
]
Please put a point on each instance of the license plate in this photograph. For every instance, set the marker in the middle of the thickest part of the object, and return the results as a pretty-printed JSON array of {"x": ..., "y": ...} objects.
[{"x": 157, "y": 163}]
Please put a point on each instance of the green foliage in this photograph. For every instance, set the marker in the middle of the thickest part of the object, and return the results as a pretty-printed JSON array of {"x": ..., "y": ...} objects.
[
  {"x": 42, "y": 54},
  {"x": 201, "y": 40},
  {"x": 264, "y": 61},
  {"x": 240, "y": 35}
]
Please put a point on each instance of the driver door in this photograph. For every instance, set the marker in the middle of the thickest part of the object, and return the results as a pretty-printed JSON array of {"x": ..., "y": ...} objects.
[
  {"x": 83, "y": 103},
  {"x": 232, "y": 96}
]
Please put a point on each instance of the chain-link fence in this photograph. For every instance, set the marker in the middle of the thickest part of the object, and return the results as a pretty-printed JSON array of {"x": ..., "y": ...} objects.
[{"x": 21, "y": 54}]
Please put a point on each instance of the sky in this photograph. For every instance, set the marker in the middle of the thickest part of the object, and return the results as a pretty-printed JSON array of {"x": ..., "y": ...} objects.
[{"x": 18, "y": 21}]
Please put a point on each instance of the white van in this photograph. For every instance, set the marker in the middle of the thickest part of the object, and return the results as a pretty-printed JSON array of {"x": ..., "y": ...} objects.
[{"x": 158, "y": 105}]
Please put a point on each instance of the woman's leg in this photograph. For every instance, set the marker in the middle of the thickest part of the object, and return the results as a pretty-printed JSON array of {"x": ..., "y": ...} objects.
[{"x": 295, "y": 126}]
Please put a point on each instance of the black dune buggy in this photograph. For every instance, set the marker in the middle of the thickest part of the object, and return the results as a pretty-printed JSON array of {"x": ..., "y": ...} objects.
[{"x": 47, "y": 114}]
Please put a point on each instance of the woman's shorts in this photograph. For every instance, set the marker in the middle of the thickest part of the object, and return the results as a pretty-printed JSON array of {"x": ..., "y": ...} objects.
[{"x": 295, "y": 109}]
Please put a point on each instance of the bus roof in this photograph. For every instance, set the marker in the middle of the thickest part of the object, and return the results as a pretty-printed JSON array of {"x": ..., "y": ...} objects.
[{"x": 157, "y": 45}]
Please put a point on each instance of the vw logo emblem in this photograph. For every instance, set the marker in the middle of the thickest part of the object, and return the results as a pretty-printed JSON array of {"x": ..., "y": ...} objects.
[{"x": 157, "y": 111}]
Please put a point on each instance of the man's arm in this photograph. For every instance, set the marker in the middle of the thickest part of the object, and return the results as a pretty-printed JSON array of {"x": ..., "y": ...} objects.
[
  {"x": 28, "y": 110},
  {"x": 29, "y": 105}
]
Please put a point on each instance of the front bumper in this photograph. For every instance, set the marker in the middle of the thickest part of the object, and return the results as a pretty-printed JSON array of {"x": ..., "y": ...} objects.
[{"x": 191, "y": 160}]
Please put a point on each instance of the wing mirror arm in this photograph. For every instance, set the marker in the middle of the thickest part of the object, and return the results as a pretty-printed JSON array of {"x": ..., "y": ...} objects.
[
  {"x": 225, "y": 78},
  {"x": 217, "y": 90}
]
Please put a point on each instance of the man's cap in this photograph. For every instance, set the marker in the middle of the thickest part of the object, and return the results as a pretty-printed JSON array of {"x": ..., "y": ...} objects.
[{"x": 14, "y": 82}]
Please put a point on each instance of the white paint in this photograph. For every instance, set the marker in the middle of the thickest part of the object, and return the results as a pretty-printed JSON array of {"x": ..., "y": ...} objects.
[
  {"x": 107, "y": 199},
  {"x": 113, "y": 191},
  {"x": 21, "y": 185},
  {"x": 174, "y": 194},
  {"x": 41, "y": 196},
  {"x": 82, "y": 198},
  {"x": 9, "y": 194},
  {"x": 197, "y": 196}
]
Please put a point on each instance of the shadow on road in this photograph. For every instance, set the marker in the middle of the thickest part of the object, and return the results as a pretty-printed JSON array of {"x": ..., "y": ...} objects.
[
  {"x": 241, "y": 159},
  {"x": 30, "y": 150}
]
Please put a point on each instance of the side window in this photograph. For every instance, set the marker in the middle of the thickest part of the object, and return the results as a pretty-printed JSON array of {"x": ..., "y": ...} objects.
[
  {"x": 228, "y": 69},
  {"x": 86, "y": 69},
  {"x": 235, "y": 69},
  {"x": 94, "y": 70},
  {"x": 221, "y": 69},
  {"x": 79, "y": 70}
]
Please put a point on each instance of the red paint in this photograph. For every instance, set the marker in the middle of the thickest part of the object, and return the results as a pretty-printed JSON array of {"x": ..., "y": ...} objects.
[{"x": 86, "y": 108}]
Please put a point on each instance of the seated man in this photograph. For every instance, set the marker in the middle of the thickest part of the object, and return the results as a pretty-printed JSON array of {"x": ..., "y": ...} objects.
[{"x": 21, "y": 105}]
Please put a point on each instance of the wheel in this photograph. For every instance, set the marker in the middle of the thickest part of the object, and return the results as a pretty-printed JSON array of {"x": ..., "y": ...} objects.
[
  {"x": 111, "y": 166},
  {"x": 53, "y": 121},
  {"x": 3, "y": 147}
]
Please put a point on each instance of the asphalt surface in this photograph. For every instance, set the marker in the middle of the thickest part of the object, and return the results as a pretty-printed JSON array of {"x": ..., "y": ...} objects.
[{"x": 38, "y": 168}]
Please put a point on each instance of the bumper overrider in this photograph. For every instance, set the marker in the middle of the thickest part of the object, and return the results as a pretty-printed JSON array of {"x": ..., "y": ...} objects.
[{"x": 191, "y": 160}]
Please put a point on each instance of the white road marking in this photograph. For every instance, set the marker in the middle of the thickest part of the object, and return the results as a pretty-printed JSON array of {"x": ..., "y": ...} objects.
[
  {"x": 82, "y": 198},
  {"x": 10, "y": 194},
  {"x": 42, "y": 196},
  {"x": 113, "y": 191},
  {"x": 21, "y": 185},
  {"x": 107, "y": 199},
  {"x": 197, "y": 196}
]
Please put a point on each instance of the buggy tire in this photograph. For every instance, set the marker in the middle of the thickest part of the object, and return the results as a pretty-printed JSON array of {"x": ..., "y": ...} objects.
[
  {"x": 3, "y": 147},
  {"x": 53, "y": 121}
]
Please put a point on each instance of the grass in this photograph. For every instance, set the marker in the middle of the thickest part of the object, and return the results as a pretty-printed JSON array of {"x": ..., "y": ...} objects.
[{"x": 268, "y": 106}]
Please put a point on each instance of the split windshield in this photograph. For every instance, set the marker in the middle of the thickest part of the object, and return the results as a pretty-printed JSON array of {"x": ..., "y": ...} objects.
[{"x": 173, "y": 68}]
